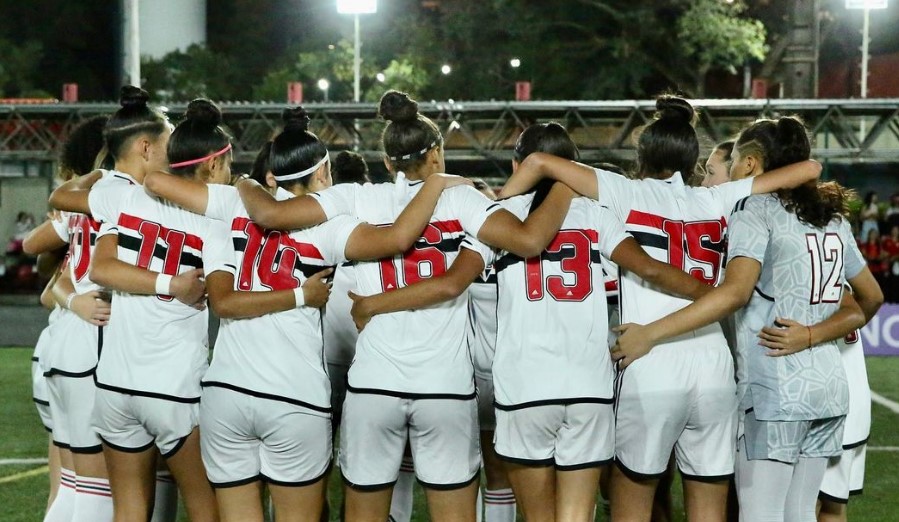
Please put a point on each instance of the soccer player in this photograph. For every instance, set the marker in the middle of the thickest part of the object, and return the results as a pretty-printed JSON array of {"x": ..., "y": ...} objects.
[
  {"x": 717, "y": 166},
  {"x": 683, "y": 398},
  {"x": 265, "y": 414},
  {"x": 789, "y": 256}
]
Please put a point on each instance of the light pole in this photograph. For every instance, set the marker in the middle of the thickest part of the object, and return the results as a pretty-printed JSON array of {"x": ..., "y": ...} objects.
[
  {"x": 355, "y": 8},
  {"x": 866, "y": 6},
  {"x": 324, "y": 85}
]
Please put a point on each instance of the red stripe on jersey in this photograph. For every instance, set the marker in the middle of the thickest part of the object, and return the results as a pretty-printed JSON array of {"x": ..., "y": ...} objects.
[
  {"x": 450, "y": 227},
  {"x": 612, "y": 286},
  {"x": 239, "y": 224},
  {"x": 636, "y": 217},
  {"x": 133, "y": 223}
]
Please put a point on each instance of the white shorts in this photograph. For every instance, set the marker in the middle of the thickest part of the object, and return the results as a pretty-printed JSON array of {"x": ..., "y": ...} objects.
[
  {"x": 443, "y": 435},
  {"x": 41, "y": 395},
  {"x": 786, "y": 441},
  {"x": 486, "y": 411},
  {"x": 568, "y": 436},
  {"x": 845, "y": 475},
  {"x": 133, "y": 423},
  {"x": 244, "y": 439},
  {"x": 682, "y": 399},
  {"x": 71, "y": 405},
  {"x": 337, "y": 374}
]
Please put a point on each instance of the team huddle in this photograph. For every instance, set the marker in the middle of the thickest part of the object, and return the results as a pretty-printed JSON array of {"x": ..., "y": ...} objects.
[{"x": 580, "y": 334}]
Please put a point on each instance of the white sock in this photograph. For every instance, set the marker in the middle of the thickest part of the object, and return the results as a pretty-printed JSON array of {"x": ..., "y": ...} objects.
[
  {"x": 64, "y": 503},
  {"x": 499, "y": 505},
  {"x": 93, "y": 500},
  {"x": 401, "y": 503},
  {"x": 479, "y": 507},
  {"x": 165, "y": 505}
]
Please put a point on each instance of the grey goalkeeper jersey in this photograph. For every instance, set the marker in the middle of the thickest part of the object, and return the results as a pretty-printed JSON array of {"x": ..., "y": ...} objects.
[{"x": 802, "y": 275}]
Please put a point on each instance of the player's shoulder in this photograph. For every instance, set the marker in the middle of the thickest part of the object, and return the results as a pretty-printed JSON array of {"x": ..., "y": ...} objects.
[{"x": 758, "y": 203}]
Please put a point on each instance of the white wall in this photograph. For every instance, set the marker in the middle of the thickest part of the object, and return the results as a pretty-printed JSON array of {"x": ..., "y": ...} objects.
[{"x": 167, "y": 25}]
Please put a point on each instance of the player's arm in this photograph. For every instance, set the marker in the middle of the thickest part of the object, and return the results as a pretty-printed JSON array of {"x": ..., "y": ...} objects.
[
  {"x": 226, "y": 302},
  {"x": 788, "y": 336},
  {"x": 467, "y": 266},
  {"x": 636, "y": 340},
  {"x": 72, "y": 195},
  {"x": 788, "y": 177},
  {"x": 108, "y": 271},
  {"x": 43, "y": 238},
  {"x": 370, "y": 242},
  {"x": 528, "y": 238},
  {"x": 537, "y": 166},
  {"x": 289, "y": 214},
  {"x": 630, "y": 256},
  {"x": 92, "y": 307},
  {"x": 47, "y": 297},
  {"x": 187, "y": 193}
]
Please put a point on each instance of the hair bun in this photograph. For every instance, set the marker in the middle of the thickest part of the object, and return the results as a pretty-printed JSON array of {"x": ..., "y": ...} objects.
[
  {"x": 203, "y": 112},
  {"x": 674, "y": 108},
  {"x": 397, "y": 107},
  {"x": 131, "y": 96},
  {"x": 295, "y": 119}
]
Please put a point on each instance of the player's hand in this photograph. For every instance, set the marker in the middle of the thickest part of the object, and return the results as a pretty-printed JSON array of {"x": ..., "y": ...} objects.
[
  {"x": 450, "y": 180},
  {"x": 91, "y": 307},
  {"x": 190, "y": 288},
  {"x": 633, "y": 343},
  {"x": 361, "y": 314},
  {"x": 785, "y": 338},
  {"x": 317, "y": 289}
]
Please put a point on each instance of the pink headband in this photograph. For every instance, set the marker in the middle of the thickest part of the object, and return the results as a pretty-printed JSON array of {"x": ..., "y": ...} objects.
[{"x": 200, "y": 160}]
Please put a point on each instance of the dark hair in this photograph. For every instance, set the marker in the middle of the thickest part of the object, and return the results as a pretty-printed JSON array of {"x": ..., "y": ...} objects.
[
  {"x": 550, "y": 138},
  {"x": 198, "y": 135},
  {"x": 869, "y": 197},
  {"x": 349, "y": 167},
  {"x": 727, "y": 147},
  {"x": 295, "y": 149},
  {"x": 781, "y": 142},
  {"x": 408, "y": 136},
  {"x": 262, "y": 164},
  {"x": 133, "y": 119},
  {"x": 669, "y": 143},
  {"x": 81, "y": 149}
]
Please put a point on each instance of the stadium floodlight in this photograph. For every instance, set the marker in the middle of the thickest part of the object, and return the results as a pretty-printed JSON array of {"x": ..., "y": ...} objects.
[
  {"x": 446, "y": 69},
  {"x": 324, "y": 85},
  {"x": 865, "y": 5},
  {"x": 515, "y": 63},
  {"x": 381, "y": 77},
  {"x": 356, "y": 8}
]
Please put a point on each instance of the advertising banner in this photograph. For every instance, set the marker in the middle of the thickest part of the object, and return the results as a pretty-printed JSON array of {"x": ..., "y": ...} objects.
[{"x": 881, "y": 335}]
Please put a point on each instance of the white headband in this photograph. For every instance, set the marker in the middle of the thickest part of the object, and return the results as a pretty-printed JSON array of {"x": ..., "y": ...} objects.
[{"x": 304, "y": 173}]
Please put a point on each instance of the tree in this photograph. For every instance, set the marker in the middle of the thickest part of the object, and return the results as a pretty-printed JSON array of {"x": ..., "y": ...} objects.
[
  {"x": 18, "y": 69},
  {"x": 185, "y": 75}
]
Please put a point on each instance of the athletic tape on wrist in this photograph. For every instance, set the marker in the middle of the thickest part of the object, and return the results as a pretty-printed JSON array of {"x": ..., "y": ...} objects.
[
  {"x": 299, "y": 297},
  {"x": 163, "y": 284}
]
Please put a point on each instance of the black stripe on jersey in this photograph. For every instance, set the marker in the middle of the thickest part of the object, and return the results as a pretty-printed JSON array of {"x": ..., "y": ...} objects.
[
  {"x": 547, "y": 402},
  {"x": 35, "y": 359},
  {"x": 40, "y": 401},
  {"x": 836, "y": 500},
  {"x": 405, "y": 395},
  {"x": 262, "y": 395},
  {"x": 308, "y": 270},
  {"x": 159, "y": 251},
  {"x": 846, "y": 446},
  {"x": 564, "y": 253},
  {"x": 123, "y": 178},
  {"x": 763, "y": 295},
  {"x": 446, "y": 245},
  {"x": 491, "y": 207},
  {"x": 645, "y": 239},
  {"x": 74, "y": 375},
  {"x": 141, "y": 393},
  {"x": 740, "y": 205}
]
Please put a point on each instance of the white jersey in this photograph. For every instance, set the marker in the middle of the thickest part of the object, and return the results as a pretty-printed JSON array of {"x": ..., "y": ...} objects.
[
  {"x": 803, "y": 269},
  {"x": 154, "y": 345},
  {"x": 675, "y": 224},
  {"x": 482, "y": 322},
  {"x": 46, "y": 342},
  {"x": 339, "y": 330},
  {"x": 414, "y": 353},
  {"x": 551, "y": 344},
  {"x": 79, "y": 352},
  {"x": 278, "y": 355},
  {"x": 858, "y": 422}
]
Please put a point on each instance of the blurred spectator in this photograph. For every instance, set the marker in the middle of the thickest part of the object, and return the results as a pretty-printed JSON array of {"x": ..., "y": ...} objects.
[
  {"x": 891, "y": 216},
  {"x": 349, "y": 167},
  {"x": 891, "y": 255},
  {"x": 875, "y": 255},
  {"x": 870, "y": 215}
]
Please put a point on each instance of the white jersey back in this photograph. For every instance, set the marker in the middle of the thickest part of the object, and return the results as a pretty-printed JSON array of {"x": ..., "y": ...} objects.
[
  {"x": 339, "y": 330},
  {"x": 675, "y": 224},
  {"x": 154, "y": 345},
  {"x": 803, "y": 270},
  {"x": 551, "y": 344},
  {"x": 81, "y": 346},
  {"x": 482, "y": 322},
  {"x": 422, "y": 352},
  {"x": 857, "y": 427},
  {"x": 279, "y": 355}
]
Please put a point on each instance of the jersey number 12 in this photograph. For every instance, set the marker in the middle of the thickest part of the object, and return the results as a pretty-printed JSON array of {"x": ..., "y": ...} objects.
[{"x": 826, "y": 260}]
